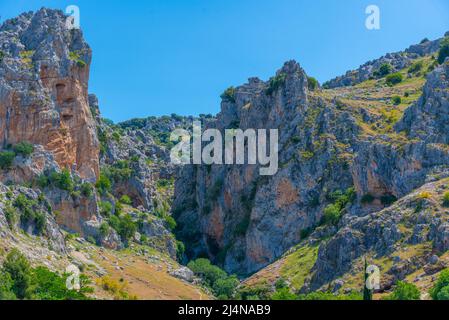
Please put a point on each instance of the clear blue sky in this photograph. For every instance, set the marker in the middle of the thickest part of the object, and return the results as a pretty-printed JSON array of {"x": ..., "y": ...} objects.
[{"x": 177, "y": 56}]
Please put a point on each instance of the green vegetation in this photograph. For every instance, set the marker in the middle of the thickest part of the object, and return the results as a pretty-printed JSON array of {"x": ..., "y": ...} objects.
[
  {"x": 367, "y": 198},
  {"x": 446, "y": 199},
  {"x": 18, "y": 280},
  {"x": 416, "y": 67},
  {"x": 222, "y": 285},
  {"x": 384, "y": 70},
  {"x": 312, "y": 83},
  {"x": 334, "y": 211},
  {"x": 229, "y": 94},
  {"x": 126, "y": 200},
  {"x": 105, "y": 208},
  {"x": 444, "y": 50},
  {"x": 404, "y": 291},
  {"x": 394, "y": 79},
  {"x": 2, "y": 56},
  {"x": 322, "y": 296},
  {"x": 6, "y": 159},
  {"x": 24, "y": 148},
  {"x": 61, "y": 180},
  {"x": 103, "y": 184},
  {"x": 29, "y": 212},
  {"x": 275, "y": 83},
  {"x": 87, "y": 190},
  {"x": 76, "y": 57},
  {"x": 440, "y": 290},
  {"x": 396, "y": 100},
  {"x": 297, "y": 266},
  {"x": 124, "y": 225}
]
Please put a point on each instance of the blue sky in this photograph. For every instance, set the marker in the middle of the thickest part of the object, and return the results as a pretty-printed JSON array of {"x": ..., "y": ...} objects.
[{"x": 177, "y": 56}]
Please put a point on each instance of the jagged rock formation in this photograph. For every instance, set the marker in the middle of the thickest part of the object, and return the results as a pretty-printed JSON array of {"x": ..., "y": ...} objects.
[
  {"x": 44, "y": 73},
  {"x": 330, "y": 141},
  {"x": 398, "y": 61}
]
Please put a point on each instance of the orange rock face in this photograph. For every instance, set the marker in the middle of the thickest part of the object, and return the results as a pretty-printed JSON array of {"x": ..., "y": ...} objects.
[{"x": 65, "y": 128}]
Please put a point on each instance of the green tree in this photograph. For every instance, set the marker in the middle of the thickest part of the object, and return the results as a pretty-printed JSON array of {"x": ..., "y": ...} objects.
[
  {"x": 405, "y": 291},
  {"x": 283, "y": 294},
  {"x": 24, "y": 148},
  {"x": 6, "y": 287},
  {"x": 18, "y": 268},
  {"x": 441, "y": 287},
  {"x": 393, "y": 79},
  {"x": 444, "y": 50},
  {"x": 312, "y": 83},
  {"x": 103, "y": 184},
  {"x": 6, "y": 159}
]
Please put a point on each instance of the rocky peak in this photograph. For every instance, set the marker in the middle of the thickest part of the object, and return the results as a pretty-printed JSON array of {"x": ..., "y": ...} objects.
[{"x": 44, "y": 77}]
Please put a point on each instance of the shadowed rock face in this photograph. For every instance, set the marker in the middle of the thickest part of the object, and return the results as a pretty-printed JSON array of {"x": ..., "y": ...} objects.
[{"x": 43, "y": 90}]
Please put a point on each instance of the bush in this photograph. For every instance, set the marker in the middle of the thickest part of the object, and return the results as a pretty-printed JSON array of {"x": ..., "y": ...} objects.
[
  {"x": 283, "y": 294},
  {"x": 440, "y": 290},
  {"x": 332, "y": 214},
  {"x": 126, "y": 200},
  {"x": 62, "y": 180},
  {"x": 404, "y": 291},
  {"x": 6, "y": 287},
  {"x": 18, "y": 268},
  {"x": 6, "y": 159},
  {"x": 125, "y": 226},
  {"x": 312, "y": 83},
  {"x": 24, "y": 148},
  {"x": 87, "y": 190},
  {"x": 229, "y": 94},
  {"x": 275, "y": 83},
  {"x": 416, "y": 67},
  {"x": 367, "y": 198},
  {"x": 104, "y": 229},
  {"x": 393, "y": 79},
  {"x": 444, "y": 50},
  {"x": 396, "y": 100},
  {"x": 180, "y": 250},
  {"x": 170, "y": 222},
  {"x": 222, "y": 285},
  {"x": 103, "y": 184},
  {"x": 105, "y": 208},
  {"x": 446, "y": 199},
  {"x": 2, "y": 56},
  {"x": 384, "y": 69}
]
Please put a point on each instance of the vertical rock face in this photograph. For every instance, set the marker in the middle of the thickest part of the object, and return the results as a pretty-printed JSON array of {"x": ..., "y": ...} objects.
[{"x": 44, "y": 73}]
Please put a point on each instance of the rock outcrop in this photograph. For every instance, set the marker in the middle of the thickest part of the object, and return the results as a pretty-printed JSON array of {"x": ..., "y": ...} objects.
[{"x": 44, "y": 77}]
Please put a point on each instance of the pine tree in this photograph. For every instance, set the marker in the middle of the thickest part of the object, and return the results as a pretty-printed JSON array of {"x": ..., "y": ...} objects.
[{"x": 367, "y": 293}]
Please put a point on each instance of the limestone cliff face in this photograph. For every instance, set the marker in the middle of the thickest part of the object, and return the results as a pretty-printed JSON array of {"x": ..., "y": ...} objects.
[
  {"x": 44, "y": 77},
  {"x": 331, "y": 141}
]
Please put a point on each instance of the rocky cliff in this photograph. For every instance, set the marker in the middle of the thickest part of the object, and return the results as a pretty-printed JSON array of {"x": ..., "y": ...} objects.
[
  {"x": 44, "y": 74},
  {"x": 348, "y": 152}
]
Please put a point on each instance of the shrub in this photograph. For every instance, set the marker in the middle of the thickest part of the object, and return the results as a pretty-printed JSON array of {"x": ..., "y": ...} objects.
[
  {"x": 224, "y": 288},
  {"x": 229, "y": 94},
  {"x": 446, "y": 199},
  {"x": 332, "y": 214},
  {"x": 104, "y": 229},
  {"x": 170, "y": 222},
  {"x": 43, "y": 181},
  {"x": 87, "y": 190},
  {"x": 62, "y": 180},
  {"x": 393, "y": 79},
  {"x": 18, "y": 268},
  {"x": 6, "y": 159},
  {"x": 10, "y": 215},
  {"x": 103, "y": 184},
  {"x": 388, "y": 199},
  {"x": 441, "y": 288},
  {"x": 384, "y": 69},
  {"x": 444, "y": 50},
  {"x": 416, "y": 67},
  {"x": 396, "y": 100},
  {"x": 180, "y": 250},
  {"x": 283, "y": 294},
  {"x": 206, "y": 271},
  {"x": 6, "y": 287},
  {"x": 40, "y": 220},
  {"x": 367, "y": 198},
  {"x": 405, "y": 291},
  {"x": 2, "y": 56},
  {"x": 126, "y": 200},
  {"x": 48, "y": 285},
  {"x": 24, "y": 148},
  {"x": 275, "y": 83},
  {"x": 105, "y": 208},
  {"x": 312, "y": 83}
]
